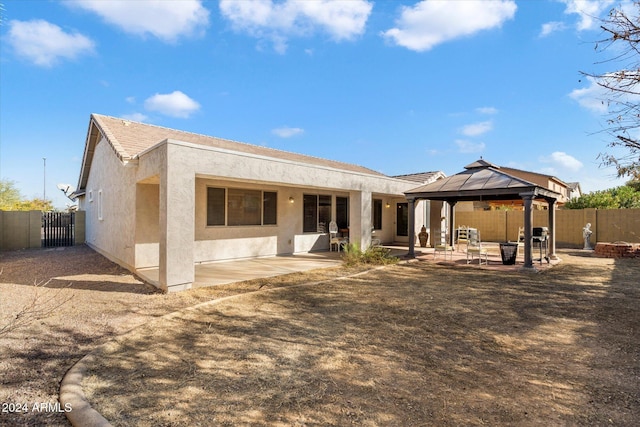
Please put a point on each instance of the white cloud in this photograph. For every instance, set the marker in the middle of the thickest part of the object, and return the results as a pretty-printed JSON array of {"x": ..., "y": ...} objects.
[
  {"x": 487, "y": 110},
  {"x": 465, "y": 146},
  {"x": 588, "y": 11},
  {"x": 591, "y": 97},
  {"x": 551, "y": 27},
  {"x": 430, "y": 23},
  {"x": 175, "y": 104},
  {"x": 287, "y": 132},
  {"x": 561, "y": 160},
  {"x": 44, "y": 43},
  {"x": 276, "y": 22},
  {"x": 476, "y": 129},
  {"x": 167, "y": 20}
]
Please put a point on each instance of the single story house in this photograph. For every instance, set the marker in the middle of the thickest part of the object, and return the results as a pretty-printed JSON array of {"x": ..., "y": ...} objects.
[{"x": 162, "y": 198}]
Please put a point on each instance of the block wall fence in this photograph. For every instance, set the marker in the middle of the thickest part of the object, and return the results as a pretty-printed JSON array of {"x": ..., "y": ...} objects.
[
  {"x": 23, "y": 229},
  {"x": 607, "y": 225}
]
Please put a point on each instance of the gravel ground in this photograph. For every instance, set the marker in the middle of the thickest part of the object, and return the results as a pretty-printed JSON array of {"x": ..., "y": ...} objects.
[
  {"x": 580, "y": 351},
  {"x": 75, "y": 299}
]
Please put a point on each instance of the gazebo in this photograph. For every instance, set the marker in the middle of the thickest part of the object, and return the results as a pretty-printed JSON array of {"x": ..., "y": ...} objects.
[{"x": 482, "y": 180}]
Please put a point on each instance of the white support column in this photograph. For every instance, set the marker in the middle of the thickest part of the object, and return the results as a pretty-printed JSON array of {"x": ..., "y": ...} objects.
[
  {"x": 360, "y": 218},
  {"x": 177, "y": 228}
]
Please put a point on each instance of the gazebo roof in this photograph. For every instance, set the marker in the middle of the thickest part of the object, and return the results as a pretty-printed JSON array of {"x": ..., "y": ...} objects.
[{"x": 480, "y": 180}]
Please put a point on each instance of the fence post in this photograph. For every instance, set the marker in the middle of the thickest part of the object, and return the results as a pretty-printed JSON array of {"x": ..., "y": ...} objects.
[{"x": 79, "y": 227}]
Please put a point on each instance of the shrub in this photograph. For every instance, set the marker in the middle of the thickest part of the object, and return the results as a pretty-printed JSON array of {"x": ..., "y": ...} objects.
[{"x": 375, "y": 255}]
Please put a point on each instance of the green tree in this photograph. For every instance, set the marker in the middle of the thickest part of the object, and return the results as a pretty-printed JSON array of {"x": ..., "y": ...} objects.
[
  {"x": 11, "y": 199},
  {"x": 623, "y": 197},
  {"x": 9, "y": 194}
]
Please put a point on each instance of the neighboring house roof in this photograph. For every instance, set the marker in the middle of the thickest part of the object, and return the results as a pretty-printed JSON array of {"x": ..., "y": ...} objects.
[
  {"x": 422, "y": 177},
  {"x": 128, "y": 139},
  {"x": 515, "y": 172},
  {"x": 574, "y": 187},
  {"x": 480, "y": 179}
]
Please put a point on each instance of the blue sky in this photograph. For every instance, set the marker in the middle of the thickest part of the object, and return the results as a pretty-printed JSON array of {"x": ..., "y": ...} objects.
[{"x": 397, "y": 86}]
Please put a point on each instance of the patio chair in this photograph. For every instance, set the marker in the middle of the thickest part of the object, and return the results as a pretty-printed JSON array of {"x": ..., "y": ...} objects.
[
  {"x": 474, "y": 248},
  {"x": 375, "y": 241},
  {"x": 443, "y": 247},
  {"x": 333, "y": 237},
  {"x": 462, "y": 235},
  {"x": 520, "y": 235}
]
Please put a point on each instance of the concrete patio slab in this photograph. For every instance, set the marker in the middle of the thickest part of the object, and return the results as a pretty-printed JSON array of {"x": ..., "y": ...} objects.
[{"x": 224, "y": 272}]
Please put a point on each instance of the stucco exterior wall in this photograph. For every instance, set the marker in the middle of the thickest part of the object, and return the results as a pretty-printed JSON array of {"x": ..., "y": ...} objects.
[
  {"x": 151, "y": 210},
  {"x": 109, "y": 203}
]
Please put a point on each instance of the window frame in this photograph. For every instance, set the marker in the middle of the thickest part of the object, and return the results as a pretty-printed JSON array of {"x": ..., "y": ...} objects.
[
  {"x": 273, "y": 205},
  {"x": 320, "y": 204},
  {"x": 376, "y": 214}
]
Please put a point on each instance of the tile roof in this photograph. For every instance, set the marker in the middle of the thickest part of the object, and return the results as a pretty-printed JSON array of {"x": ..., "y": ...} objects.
[{"x": 130, "y": 138}]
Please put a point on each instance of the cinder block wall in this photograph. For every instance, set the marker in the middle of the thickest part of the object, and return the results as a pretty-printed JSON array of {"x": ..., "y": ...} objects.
[
  {"x": 80, "y": 228},
  {"x": 20, "y": 230},
  {"x": 607, "y": 225}
]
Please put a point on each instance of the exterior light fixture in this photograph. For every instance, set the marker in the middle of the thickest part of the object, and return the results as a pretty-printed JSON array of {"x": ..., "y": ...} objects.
[
  {"x": 291, "y": 199},
  {"x": 387, "y": 205}
]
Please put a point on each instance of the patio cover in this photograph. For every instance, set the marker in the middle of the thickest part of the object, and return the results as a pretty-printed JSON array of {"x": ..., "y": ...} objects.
[{"x": 482, "y": 180}]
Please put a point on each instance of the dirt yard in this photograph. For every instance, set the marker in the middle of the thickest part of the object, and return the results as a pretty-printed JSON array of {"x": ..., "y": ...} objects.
[{"x": 411, "y": 344}]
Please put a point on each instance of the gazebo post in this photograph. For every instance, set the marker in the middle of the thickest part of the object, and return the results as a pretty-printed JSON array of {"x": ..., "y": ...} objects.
[
  {"x": 452, "y": 221},
  {"x": 412, "y": 227},
  {"x": 552, "y": 228},
  {"x": 528, "y": 229}
]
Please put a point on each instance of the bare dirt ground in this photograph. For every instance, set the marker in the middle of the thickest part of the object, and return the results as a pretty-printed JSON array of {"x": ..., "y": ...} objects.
[
  {"x": 82, "y": 300},
  {"x": 411, "y": 344}
]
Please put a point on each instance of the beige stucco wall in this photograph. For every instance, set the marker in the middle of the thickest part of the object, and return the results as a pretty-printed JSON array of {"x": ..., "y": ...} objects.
[
  {"x": 154, "y": 207},
  {"x": 112, "y": 185}
]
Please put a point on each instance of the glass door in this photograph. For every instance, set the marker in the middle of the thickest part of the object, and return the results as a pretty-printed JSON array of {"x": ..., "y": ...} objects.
[{"x": 402, "y": 222}]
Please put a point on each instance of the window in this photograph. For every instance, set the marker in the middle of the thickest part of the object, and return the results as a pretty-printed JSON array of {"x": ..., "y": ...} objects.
[
  {"x": 244, "y": 207},
  {"x": 215, "y": 206},
  {"x": 342, "y": 212},
  {"x": 270, "y": 208},
  {"x": 377, "y": 214},
  {"x": 316, "y": 213},
  {"x": 236, "y": 206},
  {"x": 100, "y": 205}
]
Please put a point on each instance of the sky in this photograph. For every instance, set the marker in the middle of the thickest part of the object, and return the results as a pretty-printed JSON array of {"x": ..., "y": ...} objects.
[{"x": 397, "y": 86}]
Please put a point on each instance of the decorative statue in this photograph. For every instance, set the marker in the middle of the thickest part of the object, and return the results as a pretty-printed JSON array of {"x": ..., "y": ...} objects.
[
  {"x": 423, "y": 236},
  {"x": 586, "y": 235}
]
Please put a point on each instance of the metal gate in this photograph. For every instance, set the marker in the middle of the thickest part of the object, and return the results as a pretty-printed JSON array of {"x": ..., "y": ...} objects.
[{"x": 58, "y": 229}]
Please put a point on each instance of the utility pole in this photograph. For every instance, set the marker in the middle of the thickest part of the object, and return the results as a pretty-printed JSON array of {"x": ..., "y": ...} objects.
[{"x": 44, "y": 179}]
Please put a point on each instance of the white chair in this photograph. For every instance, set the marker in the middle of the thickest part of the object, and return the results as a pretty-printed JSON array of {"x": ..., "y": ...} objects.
[
  {"x": 333, "y": 237},
  {"x": 462, "y": 235},
  {"x": 443, "y": 247},
  {"x": 474, "y": 248},
  {"x": 375, "y": 241}
]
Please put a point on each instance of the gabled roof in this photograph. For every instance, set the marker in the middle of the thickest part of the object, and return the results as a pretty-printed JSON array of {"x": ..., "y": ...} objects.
[
  {"x": 514, "y": 171},
  {"x": 128, "y": 139},
  {"x": 480, "y": 179}
]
